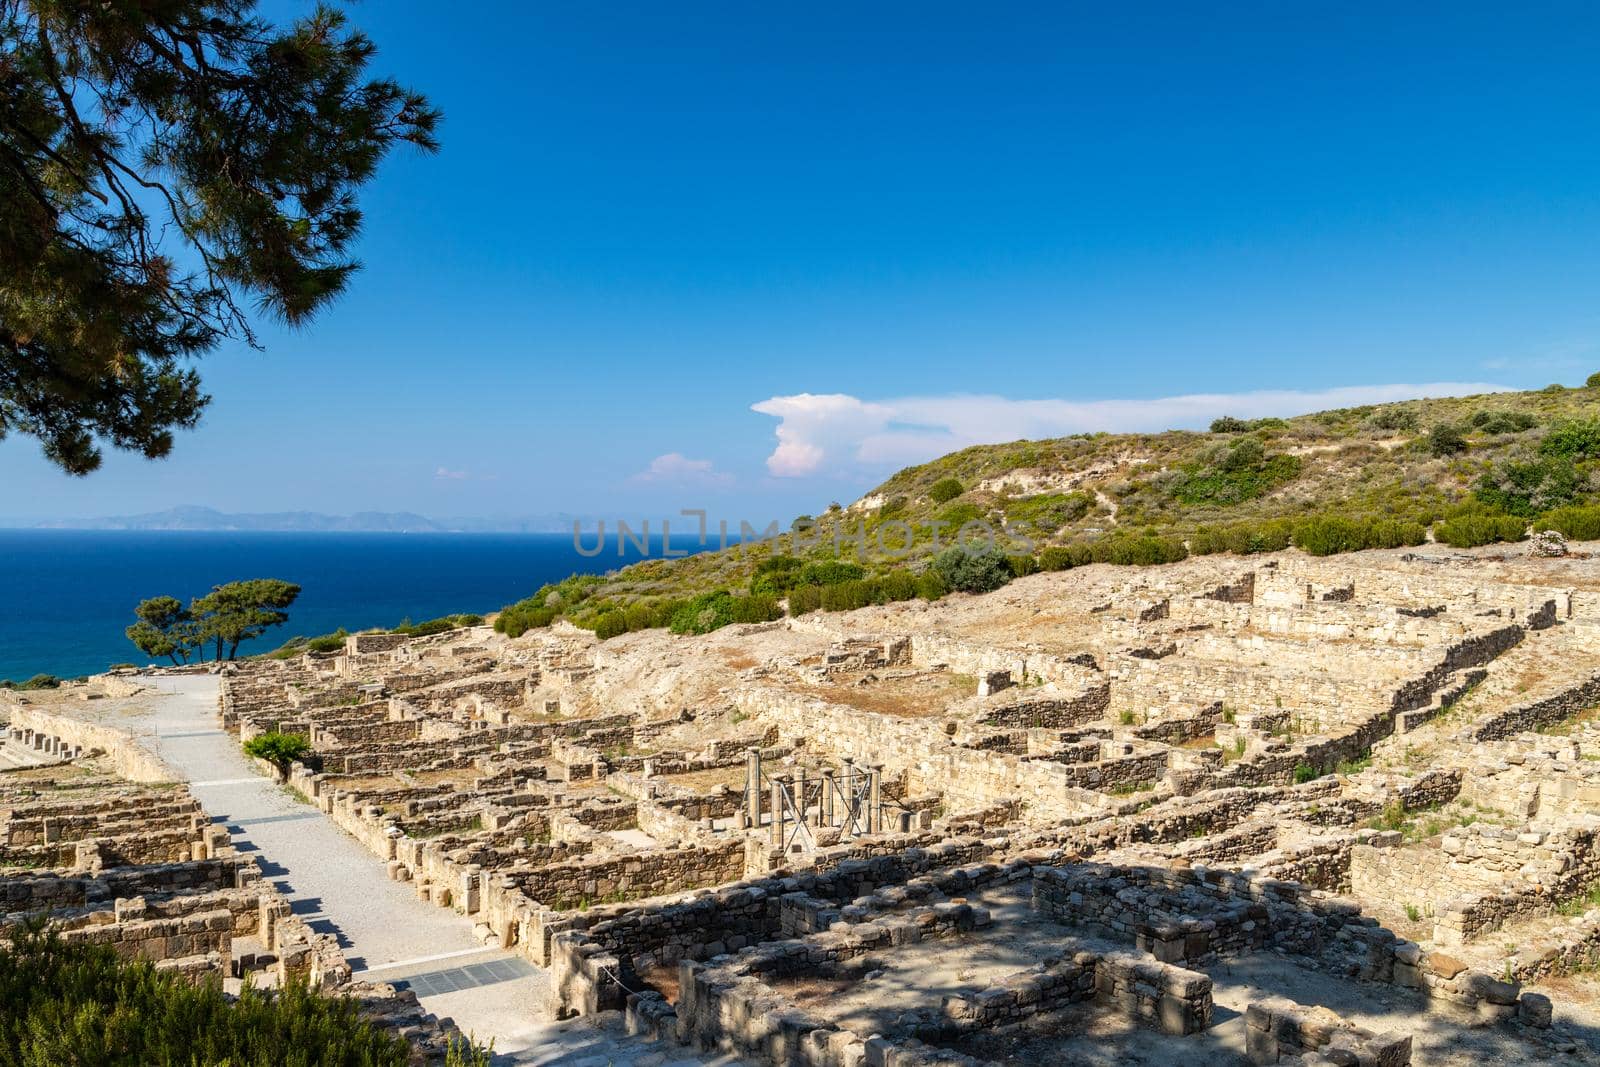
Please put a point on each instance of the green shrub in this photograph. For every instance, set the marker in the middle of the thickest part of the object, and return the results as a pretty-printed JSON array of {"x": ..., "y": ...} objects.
[
  {"x": 1445, "y": 440},
  {"x": 972, "y": 570},
  {"x": 1394, "y": 420},
  {"x": 1527, "y": 488},
  {"x": 1233, "y": 474},
  {"x": 1580, "y": 524},
  {"x": 39, "y": 681},
  {"x": 1056, "y": 558},
  {"x": 82, "y": 1004},
  {"x": 1495, "y": 423},
  {"x": 1304, "y": 772},
  {"x": 278, "y": 748},
  {"x": 1139, "y": 551},
  {"x": 1473, "y": 528},
  {"x": 930, "y": 586},
  {"x": 776, "y": 576},
  {"x": 1049, "y": 511},
  {"x": 830, "y": 572},
  {"x": 1022, "y": 566},
  {"x": 328, "y": 642},
  {"x": 958, "y": 515},
  {"x": 713, "y": 611},
  {"x": 1228, "y": 424},
  {"x": 1325, "y": 535},
  {"x": 804, "y": 599},
  {"x": 1593, "y": 381},
  {"x": 611, "y": 624},
  {"x": 1572, "y": 439},
  {"x": 1243, "y": 539},
  {"x": 945, "y": 490}
]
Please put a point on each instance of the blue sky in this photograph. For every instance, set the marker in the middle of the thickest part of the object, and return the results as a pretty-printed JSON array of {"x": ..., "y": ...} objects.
[{"x": 753, "y": 259}]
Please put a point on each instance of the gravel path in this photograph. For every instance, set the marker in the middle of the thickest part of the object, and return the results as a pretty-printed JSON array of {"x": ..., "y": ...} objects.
[{"x": 340, "y": 888}]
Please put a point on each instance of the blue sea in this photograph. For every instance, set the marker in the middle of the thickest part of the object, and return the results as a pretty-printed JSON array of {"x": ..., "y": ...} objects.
[{"x": 67, "y": 595}]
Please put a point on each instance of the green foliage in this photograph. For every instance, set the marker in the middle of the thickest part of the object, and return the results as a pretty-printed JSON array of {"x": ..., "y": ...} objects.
[
  {"x": 81, "y": 1004},
  {"x": 1229, "y": 424},
  {"x": 1325, "y": 535},
  {"x": 1526, "y": 488},
  {"x": 1056, "y": 558},
  {"x": 1445, "y": 440},
  {"x": 1138, "y": 550},
  {"x": 972, "y": 570},
  {"x": 278, "y": 748},
  {"x": 333, "y": 642},
  {"x": 1580, "y": 524},
  {"x": 930, "y": 586},
  {"x": 1022, "y": 565},
  {"x": 1304, "y": 772},
  {"x": 830, "y": 572},
  {"x": 442, "y": 625},
  {"x": 945, "y": 490},
  {"x": 1495, "y": 423},
  {"x": 237, "y": 612},
  {"x": 1593, "y": 381},
  {"x": 38, "y": 681},
  {"x": 1049, "y": 512},
  {"x": 1572, "y": 439},
  {"x": 163, "y": 165},
  {"x": 164, "y": 628},
  {"x": 776, "y": 576},
  {"x": 958, "y": 515},
  {"x": 1471, "y": 528},
  {"x": 1243, "y": 539},
  {"x": 1239, "y": 472},
  {"x": 712, "y": 611},
  {"x": 1394, "y": 420}
]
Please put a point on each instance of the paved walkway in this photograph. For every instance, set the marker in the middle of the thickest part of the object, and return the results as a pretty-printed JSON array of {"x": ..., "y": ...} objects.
[{"x": 386, "y": 933}]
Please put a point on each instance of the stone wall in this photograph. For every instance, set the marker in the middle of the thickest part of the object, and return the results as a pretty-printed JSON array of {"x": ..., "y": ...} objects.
[{"x": 129, "y": 759}]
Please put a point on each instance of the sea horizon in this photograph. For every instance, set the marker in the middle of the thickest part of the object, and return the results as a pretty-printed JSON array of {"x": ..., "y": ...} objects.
[{"x": 72, "y": 592}]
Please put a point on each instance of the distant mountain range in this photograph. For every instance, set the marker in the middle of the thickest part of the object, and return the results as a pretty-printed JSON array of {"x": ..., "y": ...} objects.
[{"x": 198, "y": 518}]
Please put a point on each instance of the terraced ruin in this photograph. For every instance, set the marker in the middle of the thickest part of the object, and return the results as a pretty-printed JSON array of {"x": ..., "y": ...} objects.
[{"x": 1266, "y": 810}]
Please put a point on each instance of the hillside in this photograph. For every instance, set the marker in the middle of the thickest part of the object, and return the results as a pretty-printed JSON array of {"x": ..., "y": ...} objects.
[{"x": 1463, "y": 470}]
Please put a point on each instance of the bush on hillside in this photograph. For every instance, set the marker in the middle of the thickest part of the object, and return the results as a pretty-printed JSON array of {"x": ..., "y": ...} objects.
[
  {"x": 1528, "y": 487},
  {"x": 1394, "y": 420},
  {"x": 327, "y": 642},
  {"x": 1572, "y": 439},
  {"x": 1243, "y": 538},
  {"x": 945, "y": 490},
  {"x": 1049, "y": 512},
  {"x": 1445, "y": 440},
  {"x": 1593, "y": 381},
  {"x": 1326, "y": 535},
  {"x": 830, "y": 572},
  {"x": 1138, "y": 550},
  {"x": 1234, "y": 473},
  {"x": 930, "y": 586},
  {"x": 972, "y": 570},
  {"x": 713, "y": 611},
  {"x": 1056, "y": 558},
  {"x": 1229, "y": 424},
  {"x": 1472, "y": 528},
  {"x": 1579, "y": 524},
  {"x": 1495, "y": 423},
  {"x": 776, "y": 576}
]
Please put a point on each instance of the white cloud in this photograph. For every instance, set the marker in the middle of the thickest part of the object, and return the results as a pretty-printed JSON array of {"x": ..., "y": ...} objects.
[
  {"x": 674, "y": 468},
  {"x": 828, "y": 433},
  {"x": 445, "y": 474}
]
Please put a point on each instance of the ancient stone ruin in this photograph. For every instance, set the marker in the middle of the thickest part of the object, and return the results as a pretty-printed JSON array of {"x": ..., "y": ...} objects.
[{"x": 1269, "y": 810}]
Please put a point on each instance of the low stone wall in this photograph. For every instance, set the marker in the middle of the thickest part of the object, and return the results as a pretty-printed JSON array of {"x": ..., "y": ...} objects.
[
  {"x": 1531, "y": 716},
  {"x": 1278, "y": 1028},
  {"x": 128, "y": 758}
]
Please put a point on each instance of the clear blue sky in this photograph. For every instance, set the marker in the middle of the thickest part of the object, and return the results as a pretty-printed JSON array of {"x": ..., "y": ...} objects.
[{"x": 904, "y": 218}]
